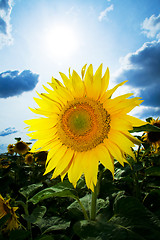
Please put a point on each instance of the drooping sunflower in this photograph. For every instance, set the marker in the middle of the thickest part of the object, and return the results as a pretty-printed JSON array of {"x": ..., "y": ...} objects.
[
  {"x": 10, "y": 149},
  {"x": 41, "y": 157},
  {"x": 28, "y": 159},
  {"x": 153, "y": 138},
  {"x": 12, "y": 223},
  {"x": 4, "y": 162},
  {"x": 21, "y": 147},
  {"x": 83, "y": 126}
]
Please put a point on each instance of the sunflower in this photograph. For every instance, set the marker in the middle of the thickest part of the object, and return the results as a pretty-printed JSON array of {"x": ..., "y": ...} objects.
[
  {"x": 28, "y": 159},
  {"x": 82, "y": 126},
  {"x": 153, "y": 138},
  {"x": 10, "y": 149},
  {"x": 4, "y": 162},
  {"x": 41, "y": 157},
  {"x": 12, "y": 223},
  {"x": 21, "y": 147}
]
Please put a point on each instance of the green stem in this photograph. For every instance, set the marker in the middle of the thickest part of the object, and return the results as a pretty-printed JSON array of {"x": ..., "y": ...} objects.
[
  {"x": 94, "y": 203},
  {"x": 83, "y": 209},
  {"x": 25, "y": 207},
  {"x": 95, "y": 195}
]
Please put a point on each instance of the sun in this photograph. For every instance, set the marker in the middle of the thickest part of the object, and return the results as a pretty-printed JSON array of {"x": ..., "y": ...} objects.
[{"x": 60, "y": 41}]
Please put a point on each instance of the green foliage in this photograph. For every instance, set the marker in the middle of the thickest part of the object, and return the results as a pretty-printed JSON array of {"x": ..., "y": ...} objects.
[
  {"x": 29, "y": 190},
  {"x": 147, "y": 128},
  {"x": 62, "y": 189},
  {"x": 127, "y": 207}
]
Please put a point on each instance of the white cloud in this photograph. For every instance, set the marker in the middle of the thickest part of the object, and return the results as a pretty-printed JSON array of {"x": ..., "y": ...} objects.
[
  {"x": 151, "y": 26},
  {"x": 103, "y": 14},
  {"x": 142, "y": 69},
  {"x": 5, "y": 26}
]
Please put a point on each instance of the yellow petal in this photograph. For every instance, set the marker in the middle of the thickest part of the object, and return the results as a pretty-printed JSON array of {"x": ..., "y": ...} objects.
[
  {"x": 109, "y": 93},
  {"x": 88, "y": 80},
  {"x": 97, "y": 85},
  {"x": 114, "y": 150},
  {"x": 78, "y": 85},
  {"x": 53, "y": 151},
  {"x": 42, "y": 123},
  {"x": 44, "y": 144},
  {"x": 76, "y": 169},
  {"x": 63, "y": 163},
  {"x": 135, "y": 121},
  {"x": 90, "y": 168},
  {"x": 83, "y": 70},
  {"x": 105, "y": 158},
  {"x": 133, "y": 139},
  {"x": 54, "y": 161},
  {"x": 46, "y": 134},
  {"x": 120, "y": 124},
  {"x": 67, "y": 81},
  {"x": 122, "y": 142},
  {"x": 105, "y": 82}
]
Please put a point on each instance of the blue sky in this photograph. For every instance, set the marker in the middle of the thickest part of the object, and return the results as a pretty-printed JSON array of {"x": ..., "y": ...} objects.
[{"x": 40, "y": 38}]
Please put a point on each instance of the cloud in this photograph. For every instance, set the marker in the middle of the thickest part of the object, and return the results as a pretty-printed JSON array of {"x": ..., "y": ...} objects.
[
  {"x": 149, "y": 112},
  {"x": 103, "y": 14},
  {"x": 142, "y": 70},
  {"x": 8, "y": 131},
  {"x": 151, "y": 26},
  {"x": 13, "y": 83},
  {"x": 5, "y": 27}
]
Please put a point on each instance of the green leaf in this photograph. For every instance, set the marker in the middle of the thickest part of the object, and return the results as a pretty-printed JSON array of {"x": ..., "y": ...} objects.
[
  {"x": 153, "y": 171},
  {"x": 29, "y": 190},
  {"x": 89, "y": 230},
  {"x": 4, "y": 219},
  {"x": 149, "y": 119},
  {"x": 152, "y": 200},
  {"x": 52, "y": 224},
  {"x": 62, "y": 189},
  {"x": 146, "y": 128},
  {"x": 19, "y": 234},
  {"x": 75, "y": 209},
  {"x": 36, "y": 215},
  {"x": 45, "y": 237},
  {"x": 131, "y": 213}
]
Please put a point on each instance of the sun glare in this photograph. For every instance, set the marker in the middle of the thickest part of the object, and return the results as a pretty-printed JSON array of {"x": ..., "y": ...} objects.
[{"x": 60, "y": 41}]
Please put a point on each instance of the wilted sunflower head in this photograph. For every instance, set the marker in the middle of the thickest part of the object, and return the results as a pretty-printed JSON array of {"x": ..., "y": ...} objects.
[
  {"x": 41, "y": 157},
  {"x": 12, "y": 222},
  {"x": 10, "y": 149},
  {"x": 83, "y": 126},
  {"x": 21, "y": 147},
  {"x": 153, "y": 138},
  {"x": 28, "y": 159},
  {"x": 4, "y": 162}
]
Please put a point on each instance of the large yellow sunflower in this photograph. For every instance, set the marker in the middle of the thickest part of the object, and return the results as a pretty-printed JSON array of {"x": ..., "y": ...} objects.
[
  {"x": 153, "y": 138},
  {"x": 83, "y": 126},
  {"x": 12, "y": 223}
]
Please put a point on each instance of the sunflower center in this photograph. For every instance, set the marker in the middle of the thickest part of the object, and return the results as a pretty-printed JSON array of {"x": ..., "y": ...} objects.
[
  {"x": 84, "y": 124},
  {"x": 154, "y": 136}
]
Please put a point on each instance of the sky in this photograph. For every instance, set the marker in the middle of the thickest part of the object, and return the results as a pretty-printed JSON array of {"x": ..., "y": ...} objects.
[{"x": 40, "y": 38}]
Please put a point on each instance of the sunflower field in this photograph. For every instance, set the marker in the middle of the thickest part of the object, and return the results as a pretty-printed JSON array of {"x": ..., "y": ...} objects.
[
  {"x": 84, "y": 178},
  {"x": 34, "y": 207}
]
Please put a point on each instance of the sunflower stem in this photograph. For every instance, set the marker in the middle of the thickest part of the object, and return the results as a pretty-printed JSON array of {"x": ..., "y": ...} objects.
[
  {"x": 25, "y": 207},
  {"x": 95, "y": 196},
  {"x": 94, "y": 203},
  {"x": 83, "y": 209}
]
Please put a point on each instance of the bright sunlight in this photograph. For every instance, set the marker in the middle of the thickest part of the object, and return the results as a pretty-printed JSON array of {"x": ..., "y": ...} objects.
[{"x": 60, "y": 41}]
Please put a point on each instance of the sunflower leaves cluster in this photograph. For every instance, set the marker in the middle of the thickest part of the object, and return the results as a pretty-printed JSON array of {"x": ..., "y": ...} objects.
[{"x": 83, "y": 178}]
